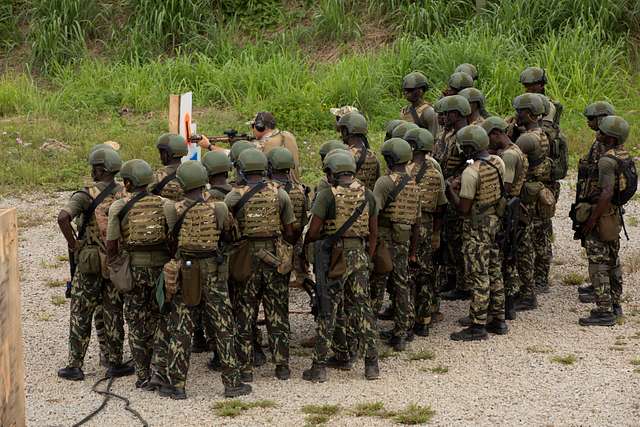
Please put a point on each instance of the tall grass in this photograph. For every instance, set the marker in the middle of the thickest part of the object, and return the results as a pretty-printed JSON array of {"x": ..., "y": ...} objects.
[{"x": 336, "y": 20}]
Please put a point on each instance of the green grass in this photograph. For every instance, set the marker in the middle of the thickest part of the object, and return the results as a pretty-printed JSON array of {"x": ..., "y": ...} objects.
[
  {"x": 319, "y": 414},
  {"x": 573, "y": 279},
  {"x": 58, "y": 300},
  {"x": 538, "y": 349},
  {"x": 44, "y": 316},
  {"x": 55, "y": 283},
  {"x": 412, "y": 414},
  {"x": 368, "y": 409},
  {"x": 568, "y": 359},
  {"x": 235, "y": 407},
  {"x": 421, "y": 355},
  {"x": 439, "y": 370}
]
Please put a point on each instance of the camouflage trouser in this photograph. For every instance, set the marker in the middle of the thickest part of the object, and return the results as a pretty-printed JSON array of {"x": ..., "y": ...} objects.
[
  {"x": 180, "y": 327},
  {"x": 143, "y": 315},
  {"x": 482, "y": 261},
  {"x": 605, "y": 271},
  {"x": 89, "y": 291},
  {"x": 542, "y": 236},
  {"x": 274, "y": 288},
  {"x": 203, "y": 320},
  {"x": 398, "y": 279},
  {"x": 422, "y": 275},
  {"x": 98, "y": 322},
  {"x": 352, "y": 295},
  {"x": 525, "y": 263},
  {"x": 160, "y": 358},
  {"x": 453, "y": 240},
  {"x": 300, "y": 267}
]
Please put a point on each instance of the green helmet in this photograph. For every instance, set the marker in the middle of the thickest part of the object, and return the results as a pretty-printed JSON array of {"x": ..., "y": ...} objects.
[
  {"x": 340, "y": 161},
  {"x": 473, "y": 95},
  {"x": 415, "y": 80},
  {"x": 530, "y": 145},
  {"x": 216, "y": 162},
  {"x": 98, "y": 147},
  {"x": 391, "y": 125},
  {"x": 402, "y": 128},
  {"x": 137, "y": 171},
  {"x": 459, "y": 81},
  {"x": 473, "y": 136},
  {"x": 175, "y": 144},
  {"x": 494, "y": 122},
  {"x": 280, "y": 159},
  {"x": 545, "y": 103},
  {"x": 108, "y": 158},
  {"x": 238, "y": 147},
  {"x": 419, "y": 139},
  {"x": 531, "y": 102},
  {"x": 615, "y": 126},
  {"x": 331, "y": 145},
  {"x": 533, "y": 75},
  {"x": 469, "y": 69},
  {"x": 453, "y": 103},
  {"x": 354, "y": 122},
  {"x": 599, "y": 109},
  {"x": 192, "y": 174},
  {"x": 252, "y": 160},
  {"x": 398, "y": 150}
]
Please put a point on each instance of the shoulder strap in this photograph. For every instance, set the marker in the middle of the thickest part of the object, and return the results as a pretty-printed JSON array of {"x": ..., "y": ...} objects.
[
  {"x": 248, "y": 195},
  {"x": 348, "y": 223},
  {"x": 220, "y": 189},
  {"x": 398, "y": 188},
  {"x": 157, "y": 189},
  {"x": 422, "y": 171},
  {"x": 415, "y": 116},
  {"x": 92, "y": 208},
  {"x": 361, "y": 159},
  {"x": 127, "y": 206},
  {"x": 487, "y": 162},
  {"x": 178, "y": 225}
]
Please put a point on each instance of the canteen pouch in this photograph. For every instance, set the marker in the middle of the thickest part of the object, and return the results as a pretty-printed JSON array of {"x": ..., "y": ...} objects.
[
  {"x": 120, "y": 272},
  {"x": 400, "y": 233},
  {"x": 546, "y": 203},
  {"x": 609, "y": 226},
  {"x": 268, "y": 257},
  {"x": 171, "y": 270},
  {"x": 89, "y": 260},
  {"x": 190, "y": 282},
  {"x": 501, "y": 206},
  {"x": 284, "y": 252},
  {"x": 337, "y": 263},
  {"x": 530, "y": 191},
  {"x": 240, "y": 262},
  {"x": 382, "y": 262}
]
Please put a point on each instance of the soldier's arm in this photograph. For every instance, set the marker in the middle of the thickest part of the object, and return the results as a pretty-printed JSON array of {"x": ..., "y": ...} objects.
[
  {"x": 78, "y": 202},
  {"x": 64, "y": 222},
  {"x": 113, "y": 230},
  {"x": 606, "y": 181},
  {"x": 315, "y": 227},
  {"x": 373, "y": 234}
]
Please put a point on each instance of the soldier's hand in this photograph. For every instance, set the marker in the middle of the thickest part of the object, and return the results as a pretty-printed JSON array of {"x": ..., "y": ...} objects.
[{"x": 204, "y": 142}]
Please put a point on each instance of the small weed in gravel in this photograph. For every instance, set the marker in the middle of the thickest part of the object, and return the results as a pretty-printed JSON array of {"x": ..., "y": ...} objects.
[
  {"x": 538, "y": 349},
  {"x": 235, "y": 407},
  {"x": 412, "y": 414},
  {"x": 632, "y": 262},
  {"x": 316, "y": 419},
  {"x": 385, "y": 353},
  {"x": 439, "y": 370},
  {"x": 573, "y": 279},
  {"x": 58, "y": 300},
  {"x": 48, "y": 266},
  {"x": 569, "y": 359},
  {"x": 55, "y": 283},
  {"x": 636, "y": 361},
  {"x": 30, "y": 220},
  {"x": 421, "y": 355},
  {"x": 62, "y": 258},
  {"x": 44, "y": 316},
  {"x": 369, "y": 409},
  {"x": 319, "y": 414},
  {"x": 631, "y": 220},
  {"x": 616, "y": 348}
]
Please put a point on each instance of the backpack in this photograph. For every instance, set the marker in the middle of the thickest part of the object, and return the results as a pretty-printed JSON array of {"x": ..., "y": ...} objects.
[
  {"x": 626, "y": 173},
  {"x": 558, "y": 153}
]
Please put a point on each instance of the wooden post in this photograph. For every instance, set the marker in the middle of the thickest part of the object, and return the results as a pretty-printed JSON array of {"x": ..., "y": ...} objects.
[
  {"x": 11, "y": 354},
  {"x": 174, "y": 113}
]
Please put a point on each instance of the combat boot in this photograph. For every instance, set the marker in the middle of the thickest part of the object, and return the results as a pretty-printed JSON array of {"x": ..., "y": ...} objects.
[
  {"x": 175, "y": 393},
  {"x": 70, "y": 373},
  {"x": 236, "y": 391},
  {"x": 282, "y": 372},
  {"x": 465, "y": 321},
  {"x": 214, "y": 362},
  {"x": 421, "y": 329},
  {"x": 340, "y": 361},
  {"x": 371, "y": 369},
  {"x": 410, "y": 335},
  {"x": 598, "y": 319},
  {"x": 121, "y": 370},
  {"x": 586, "y": 289},
  {"x": 587, "y": 298},
  {"x": 199, "y": 344},
  {"x": 617, "y": 310},
  {"x": 456, "y": 295},
  {"x": 259, "y": 358},
  {"x": 386, "y": 335},
  {"x": 472, "y": 333},
  {"x": 510, "y": 312},
  {"x": 398, "y": 342},
  {"x": 542, "y": 288},
  {"x": 144, "y": 384},
  {"x": 497, "y": 327},
  {"x": 317, "y": 373},
  {"x": 156, "y": 382},
  {"x": 246, "y": 377},
  {"x": 437, "y": 317},
  {"x": 388, "y": 313},
  {"x": 526, "y": 303}
]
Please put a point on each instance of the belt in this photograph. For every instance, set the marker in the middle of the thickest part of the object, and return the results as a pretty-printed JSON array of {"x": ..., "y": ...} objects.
[{"x": 352, "y": 242}]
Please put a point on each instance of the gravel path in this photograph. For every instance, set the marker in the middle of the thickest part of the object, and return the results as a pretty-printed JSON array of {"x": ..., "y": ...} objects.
[{"x": 508, "y": 380}]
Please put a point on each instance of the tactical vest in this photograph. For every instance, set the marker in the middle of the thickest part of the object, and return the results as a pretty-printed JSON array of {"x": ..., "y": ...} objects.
[
  {"x": 542, "y": 170},
  {"x": 621, "y": 182},
  {"x": 403, "y": 209},
  {"x": 217, "y": 193},
  {"x": 299, "y": 201},
  {"x": 347, "y": 200},
  {"x": 145, "y": 224},
  {"x": 488, "y": 190},
  {"x": 451, "y": 159},
  {"x": 172, "y": 189},
  {"x": 96, "y": 232},
  {"x": 544, "y": 141},
  {"x": 199, "y": 231},
  {"x": 261, "y": 214},
  {"x": 430, "y": 184},
  {"x": 588, "y": 173},
  {"x": 521, "y": 171},
  {"x": 405, "y": 114},
  {"x": 369, "y": 171}
]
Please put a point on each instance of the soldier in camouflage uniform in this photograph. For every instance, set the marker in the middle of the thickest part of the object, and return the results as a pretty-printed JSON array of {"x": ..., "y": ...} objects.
[
  {"x": 428, "y": 175},
  {"x": 601, "y": 222},
  {"x": 476, "y": 101},
  {"x": 457, "y": 82},
  {"x": 402, "y": 128},
  {"x": 197, "y": 228},
  {"x": 399, "y": 229},
  {"x": 324, "y": 150},
  {"x": 594, "y": 112},
  {"x": 90, "y": 288},
  {"x": 454, "y": 111},
  {"x": 419, "y": 111},
  {"x": 516, "y": 166},
  {"x": 480, "y": 193},
  {"x": 353, "y": 129},
  {"x": 261, "y": 221},
  {"x": 172, "y": 148},
  {"x": 141, "y": 231},
  {"x": 350, "y": 292},
  {"x": 537, "y": 237}
]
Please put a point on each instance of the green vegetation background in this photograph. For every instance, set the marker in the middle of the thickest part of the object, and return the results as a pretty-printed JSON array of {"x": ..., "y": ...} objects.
[{"x": 86, "y": 71}]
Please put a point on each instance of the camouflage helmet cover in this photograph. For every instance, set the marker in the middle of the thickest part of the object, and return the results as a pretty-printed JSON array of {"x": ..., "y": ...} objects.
[{"x": 532, "y": 75}]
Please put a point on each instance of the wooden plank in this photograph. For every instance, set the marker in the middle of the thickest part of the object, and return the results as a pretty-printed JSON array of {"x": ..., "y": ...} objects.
[
  {"x": 174, "y": 113},
  {"x": 11, "y": 347}
]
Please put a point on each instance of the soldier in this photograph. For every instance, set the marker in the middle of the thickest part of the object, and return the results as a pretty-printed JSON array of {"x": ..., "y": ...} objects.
[
  {"x": 218, "y": 166},
  {"x": 136, "y": 225},
  {"x": 419, "y": 111},
  {"x": 529, "y": 108},
  {"x": 534, "y": 80},
  {"x": 476, "y": 101},
  {"x": 594, "y": 113},
  {"x": 90, "y": 288},
  {"x": 457, "y": 82},
  {"x": 602, "y": 217},
  {"x": 197, "y": 228},
  {"x": 263, "y": 211},
  {"x": 353, "y": 129},
  {"x": 454, "y": 111},
  {"x": 516, "y": 165},
  {"x": 428, "y": 175},
  {"x": 269, "y": 137},
  {"x": 349, "y": 207},
  {"x": 398, "y": 197},
  {"x": 390, "y": 126},
  {"x": 172, "y": 148},
  {"x": 342, "y": 111},
  {"x": 324, "y": 150},
  {"x": 469, "y": 69},
  {"x": 402, "y": 128},
  {"x": 480, "y": 193}
]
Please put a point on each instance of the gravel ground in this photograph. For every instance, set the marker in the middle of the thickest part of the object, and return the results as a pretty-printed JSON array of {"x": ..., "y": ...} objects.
[{"x": 508, "y": 380}]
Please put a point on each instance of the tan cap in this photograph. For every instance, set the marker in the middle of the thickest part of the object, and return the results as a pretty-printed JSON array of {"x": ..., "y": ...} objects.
[
  {"x": 341, "y": 111},
  {"x": 112, "y": 144}
]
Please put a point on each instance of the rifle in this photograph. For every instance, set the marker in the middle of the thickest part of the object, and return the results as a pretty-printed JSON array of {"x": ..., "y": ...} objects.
[
  {"x": 230, "y": 136},
  {"x": 309, "y": 287},
  {"x": 511, "y": 232},
  {"x": 582, "y": 176},
  {"x": 322, "y": 264},
  {"x": 72, "y": 269}
]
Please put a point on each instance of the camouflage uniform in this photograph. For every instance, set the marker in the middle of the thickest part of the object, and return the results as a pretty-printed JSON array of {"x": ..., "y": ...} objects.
[
  {"x": 172, "y": 189},
  {"x": 369, "y": 170},
  {"x": 427, "y": 117}
]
